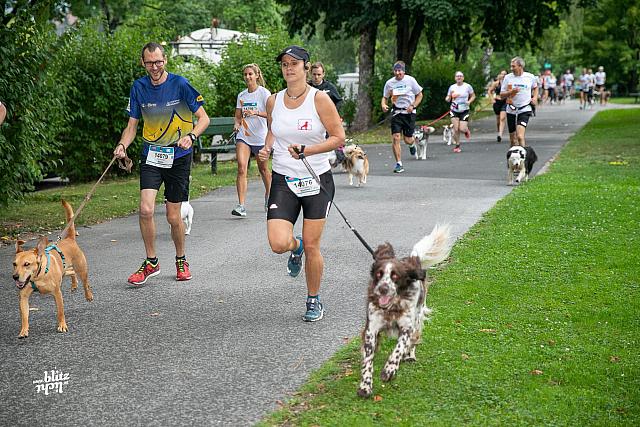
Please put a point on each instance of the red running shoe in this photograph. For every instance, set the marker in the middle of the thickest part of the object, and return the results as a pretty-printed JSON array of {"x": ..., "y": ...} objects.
[
  {"x": 182, "y": 270},
  {"x": 145, "y": 271},
  {"x": 457, "y": 150}
]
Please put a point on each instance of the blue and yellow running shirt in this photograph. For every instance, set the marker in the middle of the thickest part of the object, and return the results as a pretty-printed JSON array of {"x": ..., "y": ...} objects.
[{"x": 167, "y": 110}]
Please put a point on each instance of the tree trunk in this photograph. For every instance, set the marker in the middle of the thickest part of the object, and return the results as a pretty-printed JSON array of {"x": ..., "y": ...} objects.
[
  {"x": 486, "y": 62},
  {"x": 366, "y": 59},
  {"x": 407, "y": 38}
]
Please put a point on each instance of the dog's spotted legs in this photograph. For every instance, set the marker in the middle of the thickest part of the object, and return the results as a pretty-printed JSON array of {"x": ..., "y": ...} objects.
[
  {"x": 393, "y": 363},
  {"x": 368, "y": 352}
]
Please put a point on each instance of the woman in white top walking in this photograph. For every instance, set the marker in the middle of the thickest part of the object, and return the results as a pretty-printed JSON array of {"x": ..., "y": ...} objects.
[
  {"x": 251, "y": 128},
  {"x": 297, "y": 119}
]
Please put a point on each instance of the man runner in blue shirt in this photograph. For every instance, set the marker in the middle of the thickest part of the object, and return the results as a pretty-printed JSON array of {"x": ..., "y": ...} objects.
[{"x": 167, "y": 103}]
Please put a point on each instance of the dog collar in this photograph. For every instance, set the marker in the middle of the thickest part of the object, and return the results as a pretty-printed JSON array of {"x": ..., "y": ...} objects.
[{"x": 34, "y": 287}]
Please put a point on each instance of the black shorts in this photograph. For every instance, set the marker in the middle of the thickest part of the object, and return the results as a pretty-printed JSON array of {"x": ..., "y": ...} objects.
[
  {"x": 284, "y": 204},
  {"x": 462, "y": 115},
  {"x": 254, "y": 148},
  {"x": 175, "y": 178},
  {"x": 523, "y": 120},
  {"x": 499, "y": 106},
  {"x": 403, "y": 123},
  {"x": 600, "y": 88}
]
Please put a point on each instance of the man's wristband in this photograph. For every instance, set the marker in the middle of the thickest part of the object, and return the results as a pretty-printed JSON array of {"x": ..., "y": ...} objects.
[{"x": 192, "y": 136}]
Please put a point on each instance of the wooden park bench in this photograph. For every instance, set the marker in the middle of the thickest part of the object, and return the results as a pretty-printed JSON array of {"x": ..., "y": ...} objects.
[
  {"x": 222, "y": 126},
  {"x": 636, "y": 95}
]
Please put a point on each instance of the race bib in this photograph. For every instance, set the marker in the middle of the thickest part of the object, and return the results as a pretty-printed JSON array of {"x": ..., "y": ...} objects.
[
  {"x": 303, "y": 187},
  {"x": 400, "y": 90},
  {"x": 161, "y": 157}
]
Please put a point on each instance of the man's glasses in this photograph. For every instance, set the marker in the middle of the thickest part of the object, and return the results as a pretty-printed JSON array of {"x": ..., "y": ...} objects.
[{"x": 150, "y": 64}]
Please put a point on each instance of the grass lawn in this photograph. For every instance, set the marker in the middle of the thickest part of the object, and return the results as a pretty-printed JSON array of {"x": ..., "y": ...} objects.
[
  {"x": 41, "y": 211},
  {"x": 535, "y": 316},
  {"x": 622, "y": 100}
]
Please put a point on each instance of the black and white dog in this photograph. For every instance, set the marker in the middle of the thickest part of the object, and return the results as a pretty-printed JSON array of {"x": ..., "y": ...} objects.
[
  {"x": 421, "y": 136},
  {"x": 520, "y": 161},
  {"x": 395, "y": 302}
]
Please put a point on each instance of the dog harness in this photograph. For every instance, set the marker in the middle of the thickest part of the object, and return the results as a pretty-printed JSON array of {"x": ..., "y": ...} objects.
[{"x": 47, "y": 252}]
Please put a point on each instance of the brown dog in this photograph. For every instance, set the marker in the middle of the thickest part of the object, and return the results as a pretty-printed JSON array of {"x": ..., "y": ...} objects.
[
  {"x": 356, "y": 164},
  {"x": 42, "y": 269}
]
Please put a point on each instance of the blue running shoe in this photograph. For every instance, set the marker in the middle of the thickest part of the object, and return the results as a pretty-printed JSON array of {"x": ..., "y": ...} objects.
[
  {"x": 398, "y": 168},
  {"x": 294, "y": 265},
  {"x": 412, "y": 149},
  {"x": 315, "y": 310}
]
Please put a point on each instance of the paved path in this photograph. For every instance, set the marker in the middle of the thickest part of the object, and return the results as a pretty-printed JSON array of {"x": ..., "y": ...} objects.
[{"x": 223, "y": 348}]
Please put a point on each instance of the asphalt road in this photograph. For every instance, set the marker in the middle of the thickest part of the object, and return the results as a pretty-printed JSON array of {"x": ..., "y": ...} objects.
[{"x": 224, "y": 347}]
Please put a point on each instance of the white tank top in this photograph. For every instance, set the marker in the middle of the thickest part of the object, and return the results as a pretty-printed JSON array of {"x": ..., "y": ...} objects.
[{"x": 301, "y": 125}]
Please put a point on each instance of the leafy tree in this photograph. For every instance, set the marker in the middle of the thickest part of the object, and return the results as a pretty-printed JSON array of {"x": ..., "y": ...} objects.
[
  {"x": 612, "y": 39},
  {"x": 35, "y": 107},
  {"x": 227, "y": 76},
  {"x": 359, "y": 17},
  {"x": 115, "y": 12},
  {"x": 97, "y": 68}
]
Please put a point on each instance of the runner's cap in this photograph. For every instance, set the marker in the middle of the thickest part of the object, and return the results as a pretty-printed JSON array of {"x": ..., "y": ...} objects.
[{"x": 295, "y": 51}]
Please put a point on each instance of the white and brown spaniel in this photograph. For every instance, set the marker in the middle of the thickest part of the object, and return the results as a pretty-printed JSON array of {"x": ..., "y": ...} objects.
[{"x": 396, "y": 302}]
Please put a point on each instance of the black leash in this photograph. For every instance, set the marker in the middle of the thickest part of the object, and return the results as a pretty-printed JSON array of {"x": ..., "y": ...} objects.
[{"x": 317, "y": 179}]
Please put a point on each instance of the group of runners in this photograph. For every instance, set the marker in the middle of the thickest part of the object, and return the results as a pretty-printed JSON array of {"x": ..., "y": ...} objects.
[
  {"x": 588, "y": 84},
  {"x": 300, "y": 121}
]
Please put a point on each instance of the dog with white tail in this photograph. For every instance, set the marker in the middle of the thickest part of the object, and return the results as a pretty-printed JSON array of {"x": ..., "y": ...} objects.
[{"x": 396, "y": 302}]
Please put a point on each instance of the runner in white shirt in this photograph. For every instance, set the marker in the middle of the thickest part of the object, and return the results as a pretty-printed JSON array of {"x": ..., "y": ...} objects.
[
  {"x": 568, "y": 84},
  {"x": 520, "y": 89},
  {"x": 552, "y": 83},
  {"x": 405, "y": 94},
  {"x": 591, "y": 79},
  {"x": 299, "y": 118},
  {"x": 461, "y": 95},
  {"x": 601, "y": 78},
  {"x": 251, "y": 127},
  {"x": 584, "y": 88}
]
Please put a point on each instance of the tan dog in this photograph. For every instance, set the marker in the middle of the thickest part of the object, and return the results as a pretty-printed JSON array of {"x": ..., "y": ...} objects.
[
  {"x": 356, "y": 163},
  {"x": 42, "y": 269}
]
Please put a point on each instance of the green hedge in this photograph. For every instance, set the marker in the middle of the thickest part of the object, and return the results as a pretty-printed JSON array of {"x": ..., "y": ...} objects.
[
  {"x": 34, "y": 105},
  {"x": 97, "y": 69}
]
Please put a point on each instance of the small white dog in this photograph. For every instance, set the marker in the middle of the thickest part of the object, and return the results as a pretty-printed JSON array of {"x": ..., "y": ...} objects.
[
  {"x": 421, "y": 136},
  {"x": 447, "y": 134},
  {"x": 356, "y": 163},
  {"x": 186, "y": 213}
]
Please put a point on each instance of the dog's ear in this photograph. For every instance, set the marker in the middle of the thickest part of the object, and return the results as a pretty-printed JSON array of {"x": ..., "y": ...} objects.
[
  {"x": 42, "y": 244},
  {"x": 19, "y": 244},
  {"x": 384, "y": 251},
  {"x": 414, "y": 268}
]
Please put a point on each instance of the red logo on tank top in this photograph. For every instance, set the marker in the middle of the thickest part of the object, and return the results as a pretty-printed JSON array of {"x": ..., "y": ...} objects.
[{"x": 304, "y": 124}]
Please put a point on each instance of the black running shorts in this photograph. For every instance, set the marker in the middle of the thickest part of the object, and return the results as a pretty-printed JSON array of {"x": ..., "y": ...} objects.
[
  {"x": 462, "y": 115},
  {"x": 523, "y": 120},
  {"x": 499, "y": 106},
  {"x": 175, "y": 179},
  {"x": 403, "y": 123},
  {"x": 284, "y": 204}
]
